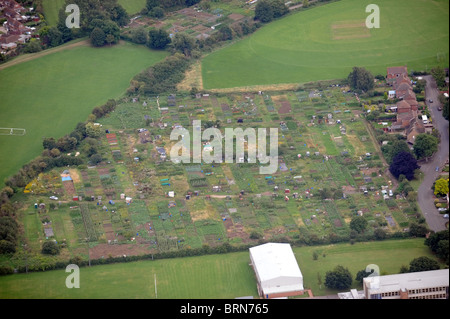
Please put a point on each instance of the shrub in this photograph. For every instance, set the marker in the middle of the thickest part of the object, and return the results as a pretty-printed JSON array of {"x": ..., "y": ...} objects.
[{"x": 50, "y": 248}]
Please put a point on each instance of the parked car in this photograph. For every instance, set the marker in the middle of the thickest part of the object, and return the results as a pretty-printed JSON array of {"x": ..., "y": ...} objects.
[
  {"x": 430, "y": 100},
  {"x": 54, "y": 197},
  {"x": 446, "y": 216},
  {"x": 437, "y": 168},
  {"x": 439, "y": 108},
  {"x": 391, "y": 193}
]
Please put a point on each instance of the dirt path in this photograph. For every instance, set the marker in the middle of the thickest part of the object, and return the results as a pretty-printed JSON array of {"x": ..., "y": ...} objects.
[{"x": 32, "y": 56}]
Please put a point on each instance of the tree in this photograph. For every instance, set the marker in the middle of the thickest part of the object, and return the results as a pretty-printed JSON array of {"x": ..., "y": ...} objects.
[
  {"x": 404, "y": 163},
  {"x": 438, "y": 243},
  {"x": 264, "y": 11},
  {"x": 423, "y": 264},
  {"x": 340, "y": 278},
  {"x": 441, "y": 187},
  {"x": 184, "y": 43},
  {"x": 157, "y": 12},
  {"x": 93, "y": 130},
  {"x": 361, "y": 79},
  {"x": 358, "y": 224},
  {"x": 438, "y": 74},
  {"x": 279, "y": 8},
  {"x": 425, "y": 145},
  {"x": 49, "y": 143},
  {"x": 152, "y": 4},
  {"x": 50, "y": 248},
  {"x": 442, "y": 251},
  {"x": 33, "y": 46},
  {"x": 363, "y": 274},
  {"x": 418, "y": 230},
  {"x": 98, "y": 37},
  {"x": 392, "y": 149},
  {"x": 54, "y": 37},
  {"x": 95, "y": 159},
  {"x": 226, "y": 33},
  {"x": 119, "y": 15},
  {"x": 158, "y": 39},
  {"x": 379, "y": 234}
]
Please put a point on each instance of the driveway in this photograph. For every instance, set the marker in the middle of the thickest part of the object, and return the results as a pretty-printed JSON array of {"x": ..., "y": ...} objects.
[{"x": 425, "y": 196}]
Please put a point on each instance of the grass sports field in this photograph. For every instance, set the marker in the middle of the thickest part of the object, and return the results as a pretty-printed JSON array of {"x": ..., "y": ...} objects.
[
  {"x": 204, "y": 277},
  {"x": 49, "y": 95},
  {"x": 326, "y": 42}
]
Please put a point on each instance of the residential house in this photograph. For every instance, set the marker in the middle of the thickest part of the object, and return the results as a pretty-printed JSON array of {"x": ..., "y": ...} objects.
[
  {"x": 407, "y": 108},
  {"x": 393, "y": 73}
]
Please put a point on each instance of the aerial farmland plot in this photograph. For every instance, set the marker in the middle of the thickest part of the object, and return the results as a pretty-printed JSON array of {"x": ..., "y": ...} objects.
[
  {"x": 325, "y": 43},
  {"x": 132, "y": 190},
  {"x": 142, "y": 202}
]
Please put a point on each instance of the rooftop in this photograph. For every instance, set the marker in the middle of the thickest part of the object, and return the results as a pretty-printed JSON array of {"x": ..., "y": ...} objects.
[
  {"x": 414, "y": 280},
  {"x": 273, "y": 260}
]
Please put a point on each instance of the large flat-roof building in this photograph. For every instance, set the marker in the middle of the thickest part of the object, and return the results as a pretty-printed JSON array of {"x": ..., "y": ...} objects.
[
  {"x": 277, "y": 271},
  {"x": 431, "y": 284}
]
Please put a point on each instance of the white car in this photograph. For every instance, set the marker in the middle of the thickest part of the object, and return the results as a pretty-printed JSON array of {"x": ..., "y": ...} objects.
[
  {"x": 54, "y": 197},
  {"x": 391, "y": 193},
  {"x": 446, "y": 216}
]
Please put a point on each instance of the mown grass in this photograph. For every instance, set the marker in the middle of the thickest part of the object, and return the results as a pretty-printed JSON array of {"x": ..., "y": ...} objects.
[
  {"x": 49, "y": 95},
  {"x": 206, "y": 277},
  {"x": 305, "y": 47},
  {"x": 51, "y": 10}
]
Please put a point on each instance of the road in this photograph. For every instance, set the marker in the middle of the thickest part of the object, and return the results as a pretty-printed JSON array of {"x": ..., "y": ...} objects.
[{"x": 435, "y": 221}]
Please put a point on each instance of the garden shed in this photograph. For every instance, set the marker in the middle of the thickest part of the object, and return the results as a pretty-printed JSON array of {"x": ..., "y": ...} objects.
[{"x": 277, "y": 272}]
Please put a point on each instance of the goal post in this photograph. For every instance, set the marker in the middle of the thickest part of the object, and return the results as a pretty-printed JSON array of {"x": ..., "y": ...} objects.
[{"x": 11, "y": 131}]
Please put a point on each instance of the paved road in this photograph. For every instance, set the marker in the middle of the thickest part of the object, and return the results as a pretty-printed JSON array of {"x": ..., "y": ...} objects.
[{"x": 434, "y": 220}]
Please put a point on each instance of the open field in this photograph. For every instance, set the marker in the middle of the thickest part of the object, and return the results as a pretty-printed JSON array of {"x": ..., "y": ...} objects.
[
  {"x": 48, "y": 96},
  {"x": 323, "y": 126},
  {"x": 326, "y": 42},
  {"x": 51, "y": 10},
  {"x": 204, "y": 277},
  {"x": 132, "y": 6}
]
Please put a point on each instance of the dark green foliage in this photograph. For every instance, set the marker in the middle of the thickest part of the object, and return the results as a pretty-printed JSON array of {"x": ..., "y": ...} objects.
[
  {"x": 393, "y": 148},
  {"x": 98, "y": 37},
  {"x": 358, "y": 224},
  {"x": 162, "y": 77},
  {"x": 417, "y": 230},
  {"x": 267, "y": 10},
  {"x": 50, "y": 248},
  {"x": 8, "y": 234},
  {"x": 363, "y": 274},
  {"x": 107, "y": 15},
  {"x": 340, "y": 278},
  {"x": 425, "y": 145},
  {"x": 158, "y": 39},
  {"x": 361, "y": 79},
  {"x": 184, "y": 43},
  {"x": 438, "y": 74},
  {"x": 404, "y": 163},
  {"x": 438, "y": 243},
  {"x": 423, "y": 264}
]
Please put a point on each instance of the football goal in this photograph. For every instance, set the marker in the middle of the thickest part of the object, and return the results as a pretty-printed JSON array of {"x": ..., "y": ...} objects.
[{"x": 12, "y": 131}]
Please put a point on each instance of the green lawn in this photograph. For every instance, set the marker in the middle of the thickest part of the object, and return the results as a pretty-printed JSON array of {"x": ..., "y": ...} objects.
[
  {"x": 51, "y": 10},
  {"x": 49, "y": 95},
  {"x": 204, "y": 277},
  {"x": 133, "y": 6},
  {"x": 326, "y": 42}
]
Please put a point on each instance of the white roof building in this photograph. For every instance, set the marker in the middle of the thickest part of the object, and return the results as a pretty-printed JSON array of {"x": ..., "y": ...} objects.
[
  {"x": 276, "y": 270},
  {"x": 431, "y": 284}
]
